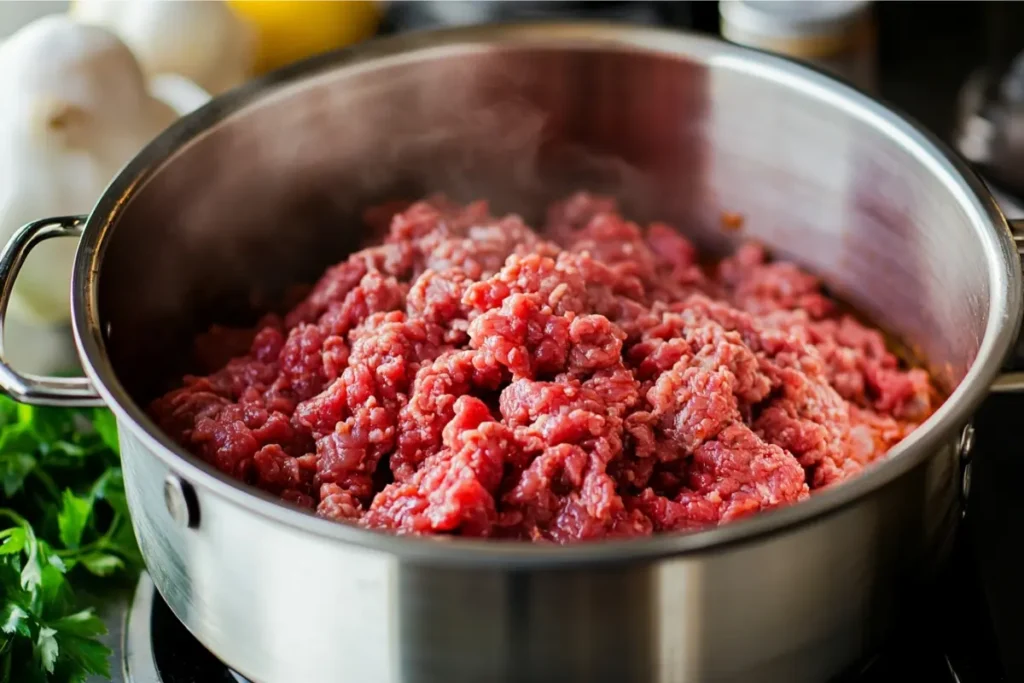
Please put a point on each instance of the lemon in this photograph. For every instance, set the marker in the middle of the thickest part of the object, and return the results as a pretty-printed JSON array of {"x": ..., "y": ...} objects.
[{"x": 290, "y": 30}]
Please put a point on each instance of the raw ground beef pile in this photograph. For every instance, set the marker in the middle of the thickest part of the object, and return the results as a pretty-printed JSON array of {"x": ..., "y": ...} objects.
[{"x": 471, "y": 376}]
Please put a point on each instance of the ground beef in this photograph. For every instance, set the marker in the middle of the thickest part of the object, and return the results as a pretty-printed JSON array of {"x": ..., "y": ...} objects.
[{"x": 592, "y": 379}]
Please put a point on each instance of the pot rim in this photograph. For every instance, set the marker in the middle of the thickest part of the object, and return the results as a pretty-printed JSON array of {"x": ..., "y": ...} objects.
[{"x": 936, "y": 432}]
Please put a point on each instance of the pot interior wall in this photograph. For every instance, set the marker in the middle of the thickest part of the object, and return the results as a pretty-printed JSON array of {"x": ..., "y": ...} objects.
[{"x": 272, "y": 193}]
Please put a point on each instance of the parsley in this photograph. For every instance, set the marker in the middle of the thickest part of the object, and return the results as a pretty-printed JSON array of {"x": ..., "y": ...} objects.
[{"x": 63, "y": 520}]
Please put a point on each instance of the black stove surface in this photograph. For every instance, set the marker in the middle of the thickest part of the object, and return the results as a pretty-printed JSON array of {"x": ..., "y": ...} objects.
[{"x": 179, "y": 657}]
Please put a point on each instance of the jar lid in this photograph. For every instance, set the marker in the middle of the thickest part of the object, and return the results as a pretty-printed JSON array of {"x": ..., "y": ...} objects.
[{"x": 791, "y": 18}]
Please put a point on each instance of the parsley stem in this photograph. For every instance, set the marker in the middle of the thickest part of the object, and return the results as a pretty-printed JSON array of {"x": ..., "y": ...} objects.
[
  {"x": 14, "y": 517},
  {"x": 101, "y": 543}
]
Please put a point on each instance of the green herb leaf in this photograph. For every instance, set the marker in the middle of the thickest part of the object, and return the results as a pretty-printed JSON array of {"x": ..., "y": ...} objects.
[
  {"x": 54, "y": 594},
  {"x": 105, "y": 425},
  {"x": 8, "y": 412},
  {"x": 65, "y": 517},
  {"x": 46, "y": 422},
  {"x": 13, "y": 541},
  {"x": 123, "y": 542},
  {"x": 74, "y": 515},
  {"x": 14, "y": 467},
  {"x": 68, "y": 448},
  {"x": 47, "y": 648},
  {"x": 57, "y": 563},
  {"x": 18, "y": 438},
  {"x": 110, "y": 487},
  {"x": 84, "y": 624},
  {"x": 32, "y": 570},
  {"x": 90, "y": 656},
  {"x": 13, "y": 619},
  {"x": 102, "y": 564}
]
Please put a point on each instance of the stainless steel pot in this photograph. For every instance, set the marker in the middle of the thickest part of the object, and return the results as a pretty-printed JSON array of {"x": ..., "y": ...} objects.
[{"x": 258, "y": 189}]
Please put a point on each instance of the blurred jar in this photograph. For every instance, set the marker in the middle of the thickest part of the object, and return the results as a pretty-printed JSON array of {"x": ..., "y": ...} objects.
[
  {"x": 291, "y": 30},
  {"x": 836, "y": 35}
]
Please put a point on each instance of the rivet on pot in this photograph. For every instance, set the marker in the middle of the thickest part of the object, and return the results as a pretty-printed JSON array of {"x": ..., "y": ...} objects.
[
  {"x": 967, "y": 442},
  {"x": 965, "y": 448},
  {"x": 181, "y": 501}
]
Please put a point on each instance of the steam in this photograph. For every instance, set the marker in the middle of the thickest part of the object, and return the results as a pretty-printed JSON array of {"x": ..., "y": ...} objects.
[{"x": 273, "y": 194}]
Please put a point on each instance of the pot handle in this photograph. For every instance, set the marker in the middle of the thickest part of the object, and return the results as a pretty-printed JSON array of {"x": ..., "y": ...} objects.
[
  {"x": 34, "y": 389},
  {"x": 1012, "y": 381}
]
